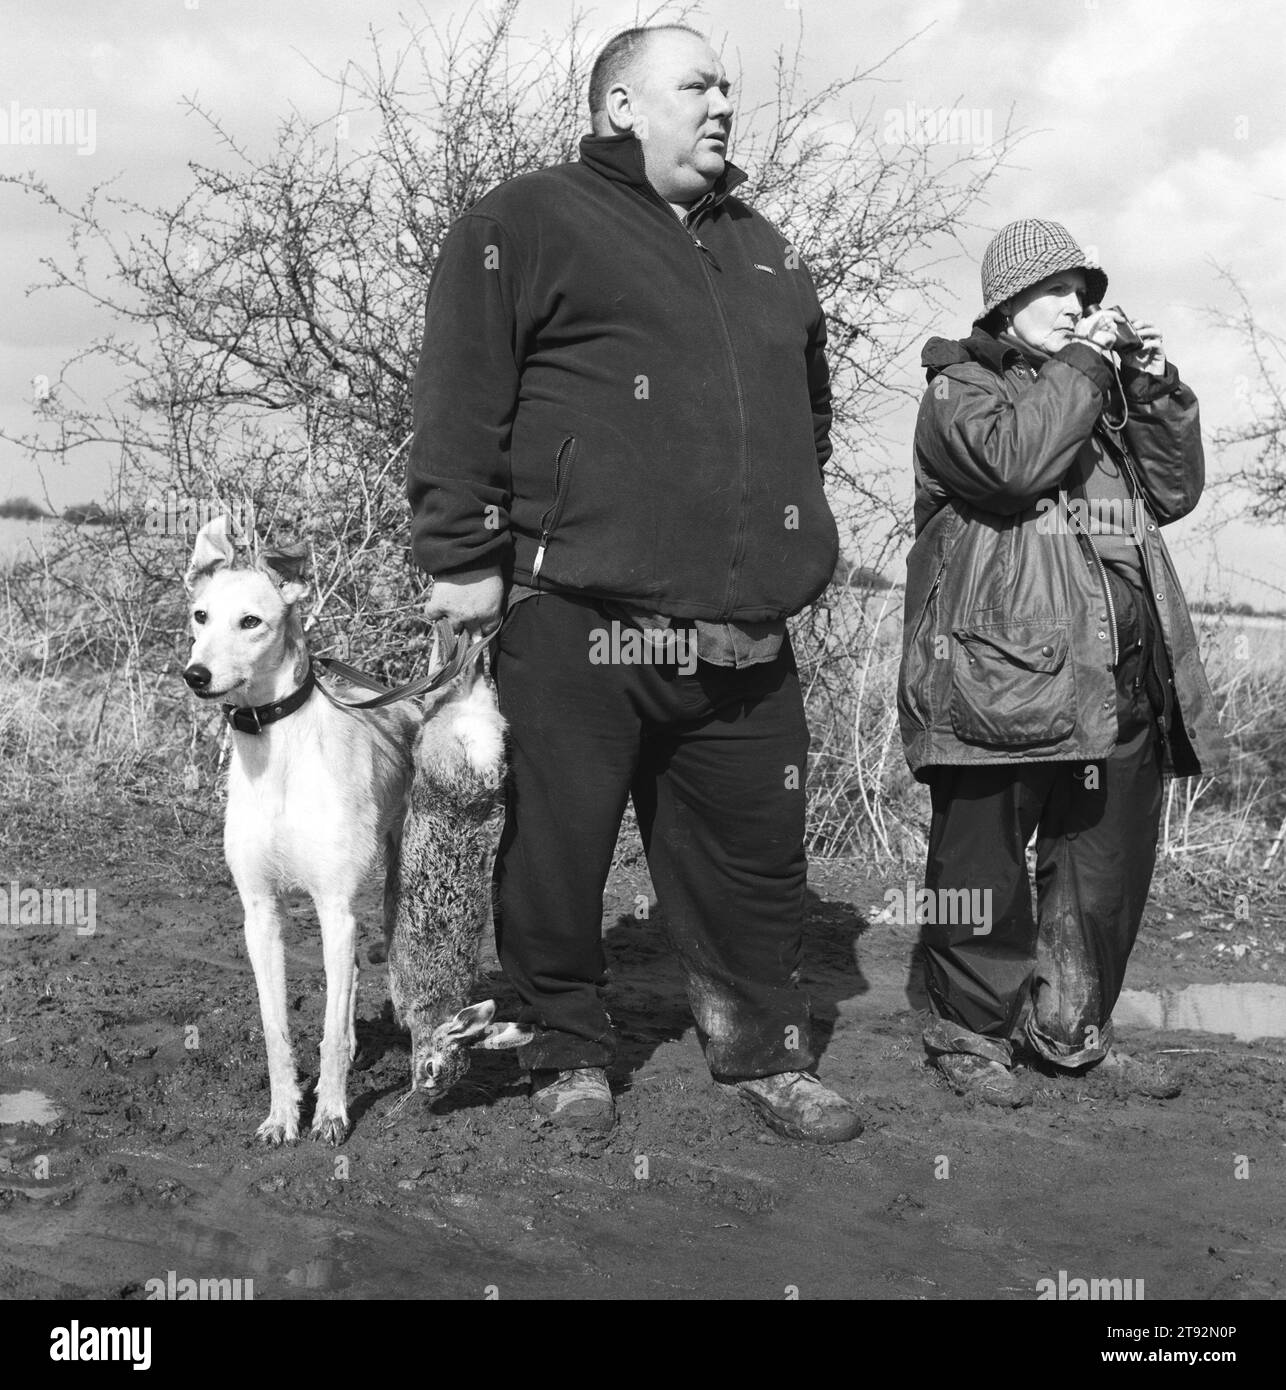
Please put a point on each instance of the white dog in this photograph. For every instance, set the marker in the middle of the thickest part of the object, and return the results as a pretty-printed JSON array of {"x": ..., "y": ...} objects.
[{"x": 316, "y": 798}]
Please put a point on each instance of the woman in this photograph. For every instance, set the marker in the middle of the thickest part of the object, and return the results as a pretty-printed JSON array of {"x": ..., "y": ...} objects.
[{"x": 1050, "y": 674}]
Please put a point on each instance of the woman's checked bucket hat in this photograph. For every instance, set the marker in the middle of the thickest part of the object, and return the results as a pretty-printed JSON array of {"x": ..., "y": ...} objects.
[{"x": 1027, "y": 251}]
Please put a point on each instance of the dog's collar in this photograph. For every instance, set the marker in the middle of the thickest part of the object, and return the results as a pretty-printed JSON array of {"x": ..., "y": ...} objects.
[{"x": 250, "y": 719}]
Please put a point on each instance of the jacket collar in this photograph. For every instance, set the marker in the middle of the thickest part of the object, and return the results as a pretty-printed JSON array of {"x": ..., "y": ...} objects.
[
  {"x": 620, "y": 158},
  {"x": 980, "y": 346}
]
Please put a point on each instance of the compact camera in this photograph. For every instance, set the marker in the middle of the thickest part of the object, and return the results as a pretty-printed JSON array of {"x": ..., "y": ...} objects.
[{"x": 1127, "y": 340}]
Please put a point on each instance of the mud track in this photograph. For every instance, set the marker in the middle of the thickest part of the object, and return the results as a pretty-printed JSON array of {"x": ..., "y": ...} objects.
[{"x": 146, "y": 1036}]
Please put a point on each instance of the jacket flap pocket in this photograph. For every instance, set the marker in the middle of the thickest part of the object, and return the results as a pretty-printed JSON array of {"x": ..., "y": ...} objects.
[
  {"x": 1012, "y": 685},
  {"x": 1030, "y": 647}
]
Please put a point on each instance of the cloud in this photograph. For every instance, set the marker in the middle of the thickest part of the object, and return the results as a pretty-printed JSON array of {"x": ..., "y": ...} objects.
[{"x": 1154, "y": 128}]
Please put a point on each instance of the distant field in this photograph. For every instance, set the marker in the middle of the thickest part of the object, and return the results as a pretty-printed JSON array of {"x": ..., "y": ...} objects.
[
  {"x": 1229, "y": 640},
  {"x": 21, "y": 540}
]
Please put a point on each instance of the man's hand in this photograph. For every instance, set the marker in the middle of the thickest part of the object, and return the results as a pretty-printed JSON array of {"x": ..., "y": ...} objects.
[
  {"x": 471, "y": 600},
  {"x": 1151, "y": 356}
]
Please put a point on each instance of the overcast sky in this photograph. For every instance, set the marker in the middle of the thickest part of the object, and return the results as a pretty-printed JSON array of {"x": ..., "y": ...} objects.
[{"x": 1156, "y": 134}]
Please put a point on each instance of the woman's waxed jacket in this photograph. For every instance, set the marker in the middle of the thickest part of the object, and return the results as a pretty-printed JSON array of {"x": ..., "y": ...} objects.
[{"x": 1009, "y": 637}]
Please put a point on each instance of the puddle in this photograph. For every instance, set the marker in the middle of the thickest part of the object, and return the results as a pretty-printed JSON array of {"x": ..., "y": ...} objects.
[
  {"x": 200, "y": 1248},
  {"x": 27, "y": 1108},
  {"x": 318, "y": 1274},
  {"x": 1246, "y": 1011}
]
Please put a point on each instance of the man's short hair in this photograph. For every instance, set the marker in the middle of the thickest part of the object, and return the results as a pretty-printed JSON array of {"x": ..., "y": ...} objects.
[{"x": 619, "y": 56}]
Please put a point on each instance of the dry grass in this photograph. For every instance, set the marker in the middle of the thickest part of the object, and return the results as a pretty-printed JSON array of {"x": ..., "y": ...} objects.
[
  {"x": 862, "y": 799},
  {"x": 91, "y": 704},
  {"x": 89, "y": 696}
]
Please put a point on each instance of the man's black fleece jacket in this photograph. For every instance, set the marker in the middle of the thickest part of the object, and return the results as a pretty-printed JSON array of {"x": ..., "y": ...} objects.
[{"x": 613, "y": 404}]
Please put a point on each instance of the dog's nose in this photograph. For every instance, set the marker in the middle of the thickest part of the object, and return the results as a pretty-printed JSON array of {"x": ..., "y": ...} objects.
[{"x": 198, "y": 677}]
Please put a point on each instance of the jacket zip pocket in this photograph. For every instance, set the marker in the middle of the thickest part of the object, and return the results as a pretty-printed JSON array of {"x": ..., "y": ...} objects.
[
  {"x": 932, "y": 594},
  {"x": 562, "y": 472},
  {"x": 919, "y": 629}
]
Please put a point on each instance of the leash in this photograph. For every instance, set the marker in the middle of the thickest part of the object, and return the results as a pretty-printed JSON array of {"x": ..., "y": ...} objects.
[
  {"x": 251, "y": 719},
  {"x": 462, "y": 653}
]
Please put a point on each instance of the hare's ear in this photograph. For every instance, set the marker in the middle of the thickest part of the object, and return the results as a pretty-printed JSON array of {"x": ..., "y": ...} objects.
[
  {"x": 504, "y": 1035},
  {"x": 466, "y": 1026},
  {"x": 212, "y": 551},
  {"x": 284, "y": 565}
]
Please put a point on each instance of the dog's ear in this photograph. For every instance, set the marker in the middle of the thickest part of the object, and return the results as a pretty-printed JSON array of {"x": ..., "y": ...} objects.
[
  {"x": 212, "y": 551},
  {"x": 284, "y": 565}
]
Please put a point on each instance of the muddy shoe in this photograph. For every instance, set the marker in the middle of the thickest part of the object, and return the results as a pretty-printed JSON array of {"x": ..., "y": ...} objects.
[
  {"x": 795, "y": 1104},
  {"x": 1137, "y": 1076},
  {"x": 971, "y": 1075},
  {"x": 576, "y": 1099}
]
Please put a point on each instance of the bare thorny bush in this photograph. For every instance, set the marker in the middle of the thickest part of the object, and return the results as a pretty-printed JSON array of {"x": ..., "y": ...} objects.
[
  {"x": 266, "y": 330},
  {"x": 1263, "y": 473},
  {"x": 1225, "y": 837}
]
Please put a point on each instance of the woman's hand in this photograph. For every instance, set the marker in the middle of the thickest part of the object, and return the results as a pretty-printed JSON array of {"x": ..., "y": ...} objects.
[
  {"x": 1151, "y": 356},
  {"x": 1098, "y": 329}
]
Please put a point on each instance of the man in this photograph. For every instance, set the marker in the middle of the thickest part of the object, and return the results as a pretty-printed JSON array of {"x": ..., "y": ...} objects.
[
  {"x": 622, "y": 410},
  {"x": 1050, "y": 674}
]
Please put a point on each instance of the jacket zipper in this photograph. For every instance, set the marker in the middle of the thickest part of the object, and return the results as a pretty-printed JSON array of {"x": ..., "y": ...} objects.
[
  {"x": 1088, "y": 544},
  {"x": 1111, "y": 606},
  {"x": 739, "y": 548},
  {"x": 1137, "y": 496},
  {"x": 566, "y": 453},
  {"x": 702, "y": 247},
  {"x": 707, "y": 255}
]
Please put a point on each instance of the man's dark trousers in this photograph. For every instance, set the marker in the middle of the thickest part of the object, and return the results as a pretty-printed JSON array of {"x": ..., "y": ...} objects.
[
  {"x": 715, "y": 763},
  {"x": 1096, "y": 828}
]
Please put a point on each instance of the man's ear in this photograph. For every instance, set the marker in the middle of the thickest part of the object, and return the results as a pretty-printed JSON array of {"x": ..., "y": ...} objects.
[
  {"x": 618, "y": 111},
  {"x": 284, "y": 565},
  {"x": 212, "y": 551}
]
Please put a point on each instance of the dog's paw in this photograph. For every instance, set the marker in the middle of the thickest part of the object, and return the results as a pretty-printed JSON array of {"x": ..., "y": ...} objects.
[
  {"x": 330, "y": 1129},
  {"x": 275, "y": 1132}
]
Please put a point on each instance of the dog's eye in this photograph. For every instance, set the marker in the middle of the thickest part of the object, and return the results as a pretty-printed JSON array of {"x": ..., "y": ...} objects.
[
  {"x": 250, "y": 621},
  {"x": 198, "y": 615}
]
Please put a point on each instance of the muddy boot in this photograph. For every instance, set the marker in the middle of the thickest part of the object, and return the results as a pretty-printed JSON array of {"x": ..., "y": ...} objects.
[
  {"x": 1136, "y": 1076},
  {"x": 575, "y": 1099},
  {"x": 971, "y": 1075},
  {"x": 796, "y": 1105},
  {"x": 974, "y": 1065}
]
